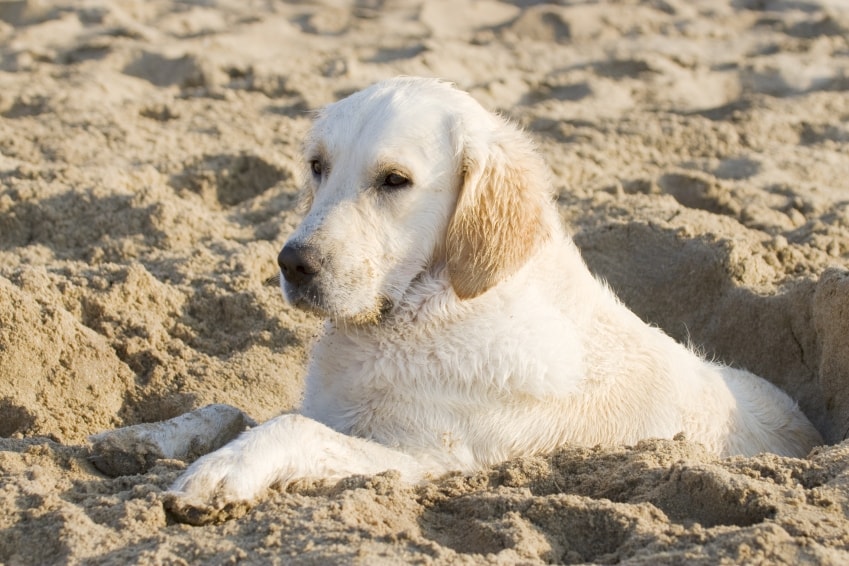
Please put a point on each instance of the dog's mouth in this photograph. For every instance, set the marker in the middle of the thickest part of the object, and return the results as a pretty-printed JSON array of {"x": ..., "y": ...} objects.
[
  {"x": 310, "y": 299},
  {"x": 374, "y": 316}
]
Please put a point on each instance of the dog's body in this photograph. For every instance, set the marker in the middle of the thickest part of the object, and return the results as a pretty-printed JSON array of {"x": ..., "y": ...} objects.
[{"x": 463, "y": 326}]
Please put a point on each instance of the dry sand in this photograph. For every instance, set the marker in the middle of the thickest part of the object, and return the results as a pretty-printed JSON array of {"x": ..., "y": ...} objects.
[{"x": 149, "y": 167}]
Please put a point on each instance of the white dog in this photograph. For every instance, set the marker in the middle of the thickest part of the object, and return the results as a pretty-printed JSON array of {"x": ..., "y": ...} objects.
[{"x": 463, "y": 327}]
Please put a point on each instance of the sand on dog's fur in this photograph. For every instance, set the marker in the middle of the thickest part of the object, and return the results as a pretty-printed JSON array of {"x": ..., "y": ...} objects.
[{"x": 149, "y": 167}]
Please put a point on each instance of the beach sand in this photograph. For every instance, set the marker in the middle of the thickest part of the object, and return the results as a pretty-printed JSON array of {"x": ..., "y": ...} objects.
[{"x": 149, "y": 159}]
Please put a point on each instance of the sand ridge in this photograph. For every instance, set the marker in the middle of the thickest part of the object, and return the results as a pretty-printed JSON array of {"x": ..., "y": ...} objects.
[{"x": 149, "y": 169}]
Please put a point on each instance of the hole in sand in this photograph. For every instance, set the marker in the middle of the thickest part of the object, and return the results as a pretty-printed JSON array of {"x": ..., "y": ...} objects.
[
  {"x": 227, "y": 180},
  {"x": 563, "y": 529},
  {"x": 737, "y": 168},
  {"x": 710, "y": 497},
  {"x": 185, "y": 71},
  {"x": 695, "y": 192},
  {"x": 14, "y": 418}
]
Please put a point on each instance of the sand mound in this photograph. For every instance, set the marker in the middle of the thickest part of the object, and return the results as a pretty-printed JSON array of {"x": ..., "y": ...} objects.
[{"x": 149, "y": 167}]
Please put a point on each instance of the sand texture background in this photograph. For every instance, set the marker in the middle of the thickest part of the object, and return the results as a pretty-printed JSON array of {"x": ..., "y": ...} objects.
[{"x": 149, "y": 166}]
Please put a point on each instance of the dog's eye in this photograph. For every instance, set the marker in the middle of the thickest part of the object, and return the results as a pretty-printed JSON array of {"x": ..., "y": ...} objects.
[
  {"x": 395, "y": 181},
  {"x": 316, "y": 167}
]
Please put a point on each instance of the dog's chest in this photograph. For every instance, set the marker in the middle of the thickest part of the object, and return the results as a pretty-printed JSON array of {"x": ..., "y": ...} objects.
[{"x": 423, "y": 381}]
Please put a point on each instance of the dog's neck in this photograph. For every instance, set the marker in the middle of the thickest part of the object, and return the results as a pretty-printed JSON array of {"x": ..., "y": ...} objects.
[{"x": 429, "y": 293}]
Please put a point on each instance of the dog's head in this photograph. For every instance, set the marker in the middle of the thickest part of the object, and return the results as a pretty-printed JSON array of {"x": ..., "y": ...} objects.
[{"x": 405, "y": 176}]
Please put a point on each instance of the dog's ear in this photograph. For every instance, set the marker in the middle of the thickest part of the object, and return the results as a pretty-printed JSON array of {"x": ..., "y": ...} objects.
[{"x": 498, "y": 220}]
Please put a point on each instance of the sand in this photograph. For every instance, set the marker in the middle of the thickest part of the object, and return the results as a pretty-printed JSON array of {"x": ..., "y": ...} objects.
[{"x": 149, "y": 167}]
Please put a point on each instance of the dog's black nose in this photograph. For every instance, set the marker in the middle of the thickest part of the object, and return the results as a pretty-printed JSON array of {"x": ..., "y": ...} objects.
[{"x": 298, "y": 263}]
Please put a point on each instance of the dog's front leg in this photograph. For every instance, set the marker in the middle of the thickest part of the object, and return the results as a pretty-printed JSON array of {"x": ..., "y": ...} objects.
[{"x": 224, "y": 483}]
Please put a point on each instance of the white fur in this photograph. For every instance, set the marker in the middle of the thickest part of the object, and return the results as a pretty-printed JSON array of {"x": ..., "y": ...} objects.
[{"x": 463, "y": 327}]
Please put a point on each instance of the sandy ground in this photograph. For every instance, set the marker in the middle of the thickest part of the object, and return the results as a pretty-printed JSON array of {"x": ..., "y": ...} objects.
[{"x": 149, "y": 167}]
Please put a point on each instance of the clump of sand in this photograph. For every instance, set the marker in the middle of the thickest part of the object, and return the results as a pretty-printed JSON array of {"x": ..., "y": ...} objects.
[{"x": 149, "y": 166}]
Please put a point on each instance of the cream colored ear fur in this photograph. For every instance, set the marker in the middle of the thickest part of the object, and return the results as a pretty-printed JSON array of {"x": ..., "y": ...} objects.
[{"x": 498, "y": 222}]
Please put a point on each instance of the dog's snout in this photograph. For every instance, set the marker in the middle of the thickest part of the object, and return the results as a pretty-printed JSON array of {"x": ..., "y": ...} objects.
[{"x": 298, "y": 263}]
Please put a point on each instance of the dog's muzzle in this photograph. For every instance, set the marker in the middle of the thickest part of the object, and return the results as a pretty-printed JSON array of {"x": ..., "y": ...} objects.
[{"x": 301, "y": 268}]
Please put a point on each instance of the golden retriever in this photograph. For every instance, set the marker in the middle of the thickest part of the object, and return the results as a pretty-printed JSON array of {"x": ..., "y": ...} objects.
[{"x": 462, "y": 326}]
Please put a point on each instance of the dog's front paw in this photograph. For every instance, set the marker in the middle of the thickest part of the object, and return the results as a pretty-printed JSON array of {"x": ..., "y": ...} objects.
[
  {"x": 219, "y": 486},
  {"x": 196, "y": 513}
]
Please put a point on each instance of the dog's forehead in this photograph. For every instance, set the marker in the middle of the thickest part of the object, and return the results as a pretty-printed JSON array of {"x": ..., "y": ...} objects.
[{"x": 402, "y": 115}]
